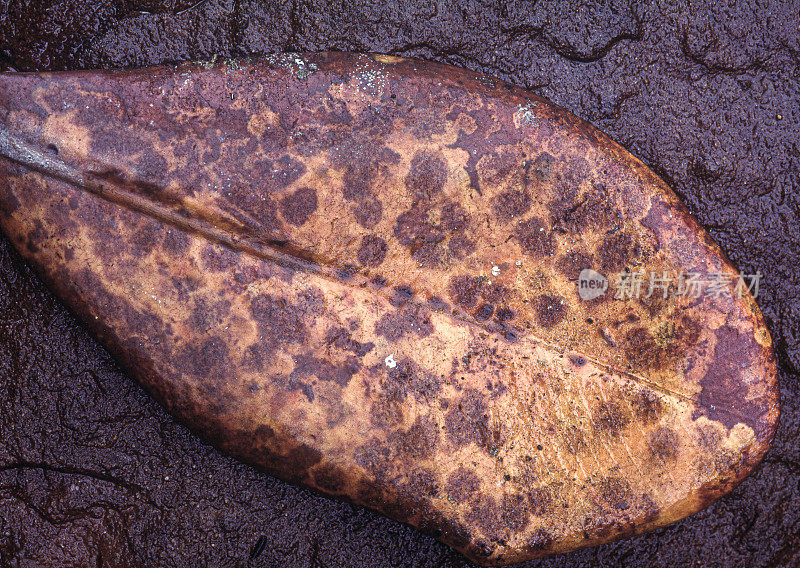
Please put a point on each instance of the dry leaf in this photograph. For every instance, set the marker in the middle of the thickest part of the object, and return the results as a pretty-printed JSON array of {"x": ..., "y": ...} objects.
[{"x": 398, "y": 283}]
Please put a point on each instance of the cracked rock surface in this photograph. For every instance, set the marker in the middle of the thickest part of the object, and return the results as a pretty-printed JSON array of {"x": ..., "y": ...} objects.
[{"x": 95, "y": 473}]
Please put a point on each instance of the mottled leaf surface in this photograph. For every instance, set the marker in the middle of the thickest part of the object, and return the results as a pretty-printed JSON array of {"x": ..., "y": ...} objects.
[{"x": 359, "y": 274}]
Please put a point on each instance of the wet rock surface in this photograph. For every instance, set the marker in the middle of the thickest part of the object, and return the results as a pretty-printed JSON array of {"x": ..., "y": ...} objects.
[{"x": 93, "y": 472}]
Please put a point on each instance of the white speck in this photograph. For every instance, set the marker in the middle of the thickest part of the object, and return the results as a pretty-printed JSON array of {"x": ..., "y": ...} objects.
[
  {"x": 495, "y": 270},
  {"x": 526, "y": 116},
  {"x": 390, "y": 362},
  {"x": 519, "y": 263}
]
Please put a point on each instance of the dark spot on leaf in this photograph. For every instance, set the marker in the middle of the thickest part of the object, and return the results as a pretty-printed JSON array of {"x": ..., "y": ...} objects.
[
  {"x": 218, "y": 258},
  {"x": 617, "y": 493},
  {"x": 514, "y": 511},
  {"x": 504, "y": 314},
  {"x": 724, "y": 394},
  {"x": 427, "y": 175},
  {"x": 209, "y": 360},
  {"x": 404, "y": 292},
  {"x": 464, "y": 289},
  {"x": 663, "y": 444},
  {"x": 550, "y": 310},
  {"x": 459, "y": 246},
  {"x": 342, "y": 339},
  {"x": 418, "y": 442},
  {"x": 176, "y": 242},
  {"x": 663, "y": 345},
  {"x": 535, "y": 238},
  {"x": 373, "y": 456},
  {"x": 278, "y": 321},
  {"x": 577, "y": 360},
  {"x": 278, "y": 173},
  {"x": 571, "y": 263},
  {"x": 329, "y": 477},
  {"x": 540, "y": 501},
  {"x": 484, "y": 312},
  {"x": 372, "y": 251},
  {"x": 307, "y": 366},
  {"x": 483, "y": 513},
  {"x": 609, "y": 418},
  {"x": 297, "y": 207},
  {"x": 368, "y": 212},
  {"x": 541, "y": 170},
  {"x": 616, "y": 252},
  {"x": 408, "y": 377},
  {"x": 302, "y": 458},
  {"x": 510, "y": 204},
  {"x": 594, "y": 211},
  {"x": 462, "y": 484},
  {"x": 467, "y": 421},
  {"x": 647, "y": 406},
  {"x": 8, "y": 201},
  {"x": 408, "y": 319},
  {"x": 347, "y": 271},
  {"x": 437, "y": 304},
  {"x": 422, "y": 482}
]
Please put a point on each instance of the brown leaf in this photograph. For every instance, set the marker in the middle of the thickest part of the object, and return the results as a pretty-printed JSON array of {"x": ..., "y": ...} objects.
[{"x": 359, "y": 273}]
